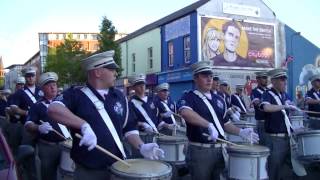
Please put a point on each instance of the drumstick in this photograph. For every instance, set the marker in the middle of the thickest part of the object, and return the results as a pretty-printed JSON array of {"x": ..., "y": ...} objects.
[
  {"x": 222, "y": 140},
  {"x": 311, "y": 112},
  {"x": 55, "y": 131},
  {"x": 107, "y": 152}
]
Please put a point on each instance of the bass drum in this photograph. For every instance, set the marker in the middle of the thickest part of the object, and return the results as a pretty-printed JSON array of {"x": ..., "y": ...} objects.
[{"x": 141, "y": 169}]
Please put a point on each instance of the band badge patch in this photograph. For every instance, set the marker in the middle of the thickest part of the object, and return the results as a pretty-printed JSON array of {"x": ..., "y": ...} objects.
[
  {"x": 118, "y": 108},
  {"x": 171, "y": 106},
  {"x": 152, "y": 106}
]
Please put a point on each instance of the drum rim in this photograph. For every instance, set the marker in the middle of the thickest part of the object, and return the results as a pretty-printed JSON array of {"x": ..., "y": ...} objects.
[
  {"x": 165, "y": 173},
  {"x": 309, "y": 132},
  {"x": 234, "y": 150},
  {"x": 182, "y": 139}
]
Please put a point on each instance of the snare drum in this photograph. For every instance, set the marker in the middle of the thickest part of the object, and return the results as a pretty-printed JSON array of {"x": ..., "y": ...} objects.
[
  {"x": 297, "y": 121},
  {"x": 309, "y": 145},
  {"x": 248, "y": 162},
  {"x": 173, "y": 147},
  {"x": 67, "y": 166},
  {"x": 240, "y": 124},
  {"x": 141, "y": 169},
  {"x": 249, "y": 117}
]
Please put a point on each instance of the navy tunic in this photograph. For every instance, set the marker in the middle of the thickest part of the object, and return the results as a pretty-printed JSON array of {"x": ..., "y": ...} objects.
[
  {"x": 257, "y": 95},
  {"x": 226, "y": 97},
  {"x": 235, "y": 102},
  {"x": 148, "y": 106},
  {"x": 38, "y": 112},
  {"x": 161, "y": 108},
  {"x": 115, "y": 104},
  {"x": 274, "y": 121},
  {"x": 192, "y": 101},
  {"x": 23, "y": 101},
  {"x": 311, "y": 94}
]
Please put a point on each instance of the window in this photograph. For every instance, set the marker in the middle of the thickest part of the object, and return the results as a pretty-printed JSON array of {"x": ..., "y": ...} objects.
[
  {"x": 94, "y": 37},
  {"x": 64, "y": 36},
  {"x": 57, "y": 36},
  {"x": 85, "y": 36},
  {"x": 78, "y": 36},
  {"x": 186, "y": 49},
  {"x": 170, "y": 53},
  {"x": 133, "y": 62},
  {"x": 150, "y": 58}
]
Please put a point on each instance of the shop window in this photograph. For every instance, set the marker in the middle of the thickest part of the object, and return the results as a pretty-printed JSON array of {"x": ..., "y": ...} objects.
[
  {"x": 170, "y": 54},
  {"x": 186, "y": 49}
]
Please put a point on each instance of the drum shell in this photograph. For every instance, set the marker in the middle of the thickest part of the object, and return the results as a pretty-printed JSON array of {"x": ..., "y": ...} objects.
[
  {"x": 67, "y": 166},
  {"x": 248, "y": 164},
  {"x": 297, "y": 121},
  {"x": 241, "y": 124},
  {"x": 309, "y": 145},
  {"x": 174, "y": 148},
  {"x": 117, "y": 174},
  {"x": 249, "y": 117}
]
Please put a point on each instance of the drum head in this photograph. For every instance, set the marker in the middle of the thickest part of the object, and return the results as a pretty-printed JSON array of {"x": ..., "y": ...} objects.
[
  {"x": 248, "y": 149},
  {"x": 141, "y": 168},
  {"x": 172, "y": 139}
]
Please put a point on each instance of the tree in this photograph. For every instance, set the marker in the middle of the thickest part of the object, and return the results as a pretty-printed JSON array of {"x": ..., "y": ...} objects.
[
  {"x": 106, "y": 40},
  {"x": 65, "y": 61}
]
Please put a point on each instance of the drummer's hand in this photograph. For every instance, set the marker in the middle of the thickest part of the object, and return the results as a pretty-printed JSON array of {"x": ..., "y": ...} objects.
[
  {"x": 292, "y": 107},
  {"x": 151, "y": 151},
  {"x": 44, "y": 128},
  {"x": 249, "y": 135},
  {"x": 213, "y": 132},
  {"x": 88, "y": 138},
  {"x": 167, "y": 114}
]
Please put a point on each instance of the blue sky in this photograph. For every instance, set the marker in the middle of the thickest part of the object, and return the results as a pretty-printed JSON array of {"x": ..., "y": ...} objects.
[{"x": 21, "y": 20}]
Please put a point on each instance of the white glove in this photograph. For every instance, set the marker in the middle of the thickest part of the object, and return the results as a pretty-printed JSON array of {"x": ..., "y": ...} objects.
[
  {"x": 248, "y": 135},
  {"x": 172, "y": 126},
  {"x": 292, "y": 107},
  {"x": 44, "y": 128},
  {"x": 147, "y": 128},
  {"x": 167, "y": 114},
  {"x": 151, "y": 151},
  {"x": 88, "y": 137},
  {"x": 213, "y": 132}
]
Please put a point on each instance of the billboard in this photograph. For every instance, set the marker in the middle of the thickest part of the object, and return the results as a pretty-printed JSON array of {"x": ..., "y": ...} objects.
[{"x": 237, "y": 45}]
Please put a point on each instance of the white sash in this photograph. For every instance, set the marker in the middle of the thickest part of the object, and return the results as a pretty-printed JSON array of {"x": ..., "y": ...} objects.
[
  {"x": 62, "y": 127},
  {"x": 168, "y": 109},
  {"x": 316, "y": 95},
  {"x": 242, "y": 105},
  {"x": 212, "y": 112},
  {"x": 138, "y": 105},
  {"x": 260, "y": 91},
  {"x": 106, "y": 118},
  {"x": 286, "y": 119},
  {"x": 33, "y": 99}
]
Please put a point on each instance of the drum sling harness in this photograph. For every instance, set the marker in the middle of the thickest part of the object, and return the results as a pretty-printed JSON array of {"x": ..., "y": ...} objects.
[
  {"x": 168, "y": 109},
  {"x": 33, "y": 99},
  {"x": 138, "y": 105},
  {"x": 240, "y": 102},
  {"x": 106, "y": 118}
]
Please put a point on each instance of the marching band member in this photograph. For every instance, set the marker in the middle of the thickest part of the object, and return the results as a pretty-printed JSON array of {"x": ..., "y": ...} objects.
[
  {"x": 237, "y": 100},
  {"x": 100, "y": 113},
  {"x": 313, "y": 101},
  {"x": 205, "y": 115}
]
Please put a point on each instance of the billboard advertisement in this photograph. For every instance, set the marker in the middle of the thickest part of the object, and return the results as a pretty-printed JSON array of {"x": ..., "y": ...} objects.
[{"x": 237, "y": 45}]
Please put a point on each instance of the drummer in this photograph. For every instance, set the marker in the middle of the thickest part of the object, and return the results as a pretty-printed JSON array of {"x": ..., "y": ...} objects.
[
  {"x": 215, "y": 83},
  {"x": 166, "y": 108},
  {"x": 204, "y": 113},
  {"x": 100, "y": 113},
  {"x": 313, "y": 100},
  {"x": 256, "y": 97},
  {"x": 225, "y": 94},
  {"x": 143, "y": 105},
  {"x": 275, "y": 105},
  {"x": 39, "y": 122},
  {"x": 237, "y": 99}
]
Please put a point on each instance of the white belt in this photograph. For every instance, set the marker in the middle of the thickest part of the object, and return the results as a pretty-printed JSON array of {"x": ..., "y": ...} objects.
[{"x": 283, "y": 135}]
